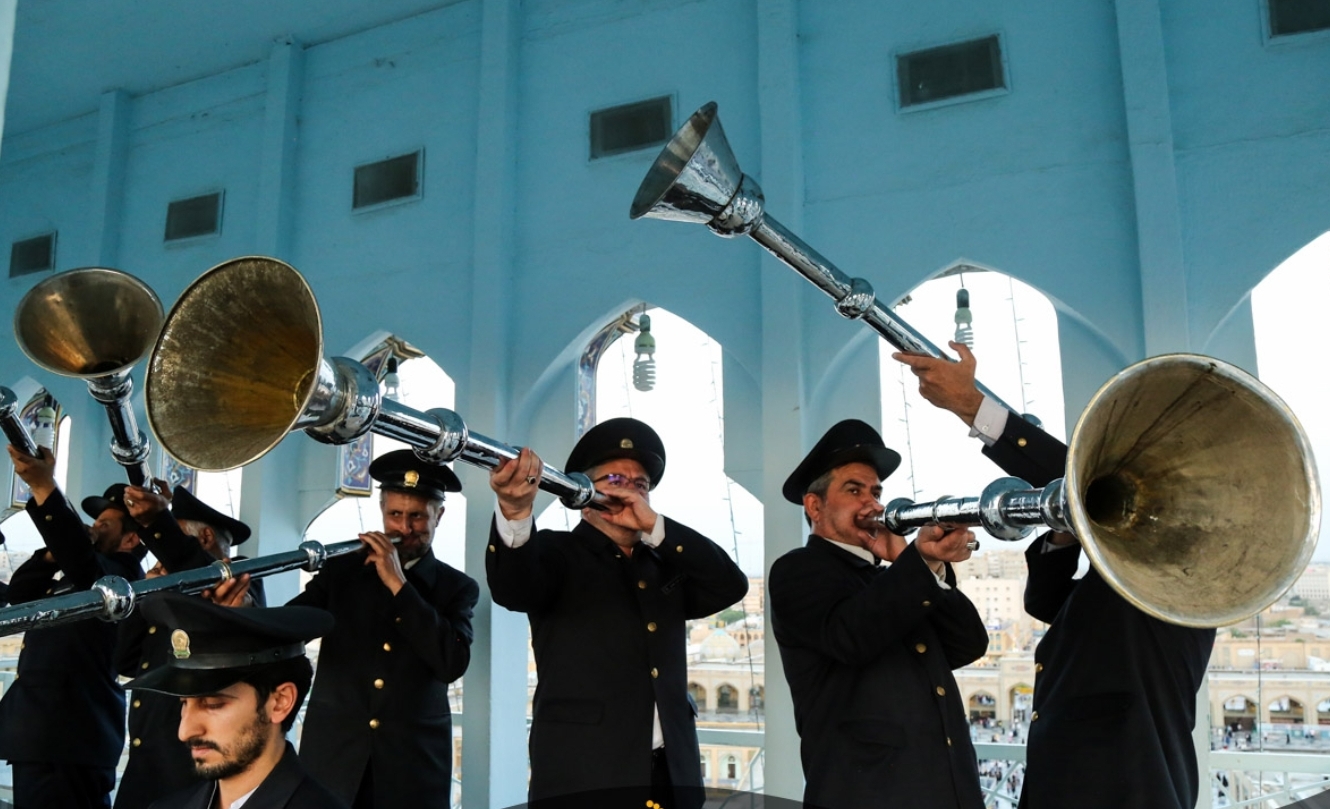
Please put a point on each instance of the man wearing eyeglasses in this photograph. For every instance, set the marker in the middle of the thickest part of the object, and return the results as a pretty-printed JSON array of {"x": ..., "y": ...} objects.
[{"x": 608, "y": 602}]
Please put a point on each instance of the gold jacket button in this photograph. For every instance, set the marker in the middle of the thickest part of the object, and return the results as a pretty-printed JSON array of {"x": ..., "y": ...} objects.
[
  {"x": 152, "y": 630},
  {"x": 397, "y": 620},
  {"x": 49, "y": 518},
  {"x": 145, "y": 665},
  {"x": 1038, "y": 667},
  {"x": 138, "y": 742},
  {"x": 492, "y": 549},
  {"x": 928, "y": 603},
  {"x": 678, "y": 548},
  {"x": 654, "y": 674},
  {"x": 948, "y": 741},
  {"x": 1020, "y": 442},
  {"x": 378, "y": 683},
  {"x": 373, "y": 724},
  {"x": 157, "y": 535},
  {"x": 136, "y": 703},
  {"x": 651, "y": 626},
  {"x": 387, "y": 647},
  {"x": 941, "y": 692},
  {"x": 1034, "y": 716},
  {"x": 920, "y": 648},
  {"x": 641, "y": 585}
]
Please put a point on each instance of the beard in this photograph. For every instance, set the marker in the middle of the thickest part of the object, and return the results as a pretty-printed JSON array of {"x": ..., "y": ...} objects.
[
  {"x": 236, "y": 759},
  {"x": 418, "y": 547}
]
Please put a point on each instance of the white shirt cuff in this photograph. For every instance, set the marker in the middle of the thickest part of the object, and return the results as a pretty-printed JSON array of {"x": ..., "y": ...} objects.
[
  {"x": 989, "y": 422},
  {"x": 513, "y": 534},
  {"x": 657, "y": 535}
]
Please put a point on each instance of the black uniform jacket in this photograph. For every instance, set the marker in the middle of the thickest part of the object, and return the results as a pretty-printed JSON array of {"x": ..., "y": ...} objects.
[
  {"x": 609, "y": 636},
  {"x": 380, "y": 696},
  {"x": 286, "y": 787},
  {"x": 65, "y": 704},
  {"x": 1115, "y": 696},
  {"x": 159, "y": 763},
  {"x": 868, "y": 652}
]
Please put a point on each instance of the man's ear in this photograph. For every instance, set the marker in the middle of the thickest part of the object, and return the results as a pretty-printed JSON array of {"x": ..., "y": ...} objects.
[
  {"x": 812, "y": 506},
  {"x": 208, "y": 539},
  {"x": 281, "y": 702}
]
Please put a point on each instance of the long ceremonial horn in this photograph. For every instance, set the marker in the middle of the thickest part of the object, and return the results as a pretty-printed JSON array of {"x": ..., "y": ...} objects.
[
  {"x": 112, "y": 598},
  {"x": 1190, "y": 485},
  {"x": 697, "y": 179},
  {"x": 239, "y": 364},
  {"x": 94, "y": 323}
]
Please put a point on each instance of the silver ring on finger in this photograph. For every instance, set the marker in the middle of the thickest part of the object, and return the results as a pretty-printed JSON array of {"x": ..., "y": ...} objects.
[
  {"x": 972, "y": 545},
  {"x": 531, "y": 480}
]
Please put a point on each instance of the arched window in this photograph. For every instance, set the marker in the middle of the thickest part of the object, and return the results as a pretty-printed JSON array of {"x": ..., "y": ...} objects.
[
  {"x": 731, "y": 767},
  {"x": 727, "y": 699},
  {"x": 699, "y": 695},
  {"x": 21, "y": 537},
  {"x": 686, "y": 406}
]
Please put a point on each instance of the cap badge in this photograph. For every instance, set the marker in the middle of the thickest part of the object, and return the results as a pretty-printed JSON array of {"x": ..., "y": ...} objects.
[
  {"x": 411, "y": 478},
  {"x": 180, "y": 644},
  {"x": 626, "y": 443}
]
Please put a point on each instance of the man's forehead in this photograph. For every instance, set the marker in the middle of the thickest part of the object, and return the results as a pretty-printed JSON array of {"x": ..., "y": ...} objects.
[
  {"x": 401, "y": 501},
  {"x": 856, "y": 472},
  {"x": 621, "y": 466}
]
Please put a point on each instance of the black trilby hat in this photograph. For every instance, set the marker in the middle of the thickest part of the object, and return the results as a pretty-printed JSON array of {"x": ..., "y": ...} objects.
[
  {"x": 114, "y": 497},
  {"x": 213, "y": 647},
  {"x": 402, "y": 471},
  {"x": 185, "y": 506},
  {"x": 619, "y": 438},
  {"x": 849, "y": 441}
]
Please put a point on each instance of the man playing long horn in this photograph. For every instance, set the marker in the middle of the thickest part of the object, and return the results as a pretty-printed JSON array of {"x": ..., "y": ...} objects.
[
  {"x": 62, "y": 722},
  {"x": 378, "y": 732},
  {"x": 1115, "y": 689},
  {"x": 868, "y": 648},
  {"x": 608, "y": 602}
]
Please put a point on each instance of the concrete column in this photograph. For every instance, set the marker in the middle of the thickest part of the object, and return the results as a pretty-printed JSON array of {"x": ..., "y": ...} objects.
[
  {"x": 782, "y": 340},
  {"x": 277, "y": 163},
  {"x": 1154, "y": 175},
  {"x": 494, "y": 761},
  {"x": 108, "y": 177}
]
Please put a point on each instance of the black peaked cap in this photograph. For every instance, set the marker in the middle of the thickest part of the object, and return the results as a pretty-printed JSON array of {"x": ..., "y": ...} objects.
[
  {"x": 848, "y": 441},
  {"x": 402, "y": 471},
  {"x": 114, "y": 497},
  {"x": 185, "y": 506},
  {"x": 214, "y": 647},
  {"x": 619, "y": 438}
]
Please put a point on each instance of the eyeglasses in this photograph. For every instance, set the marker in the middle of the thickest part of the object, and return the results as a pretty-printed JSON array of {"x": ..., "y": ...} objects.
[{"x": 624, "y": 482}]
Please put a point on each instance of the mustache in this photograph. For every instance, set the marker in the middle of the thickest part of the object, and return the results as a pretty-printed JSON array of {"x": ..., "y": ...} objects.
[{"x": 197, "y": 742}]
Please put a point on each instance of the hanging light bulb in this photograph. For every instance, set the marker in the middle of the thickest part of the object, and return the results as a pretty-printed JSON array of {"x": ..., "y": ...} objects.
[
  {"x": 644, "y": 367},
  {"x": 44, "y": 435},
  {"x": 392, "y": 385},
  {"x": 964, "y": 329}
]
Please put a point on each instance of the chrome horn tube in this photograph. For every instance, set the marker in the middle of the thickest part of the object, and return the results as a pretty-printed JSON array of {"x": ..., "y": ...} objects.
[
  {"x": 697, "y": 179},
  {"x": 95, "y": 323},
  {"x": 239, "y": 364},
  {"x": 112, "y": 598},
  {"x": 1008, "y": 509},
  {"x": 12, "y": 425}
]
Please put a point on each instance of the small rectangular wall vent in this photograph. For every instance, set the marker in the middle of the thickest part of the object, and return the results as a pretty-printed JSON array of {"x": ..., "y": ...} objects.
[
  {"x": 950, "y": 71},
  {"x": 1298, "y": 16},
  {"x": 391, "y": 180},
  {"x": 194, "y": 217},
  {"x": 32, "y": 255},
  {"x": 630, "y": 127}
]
